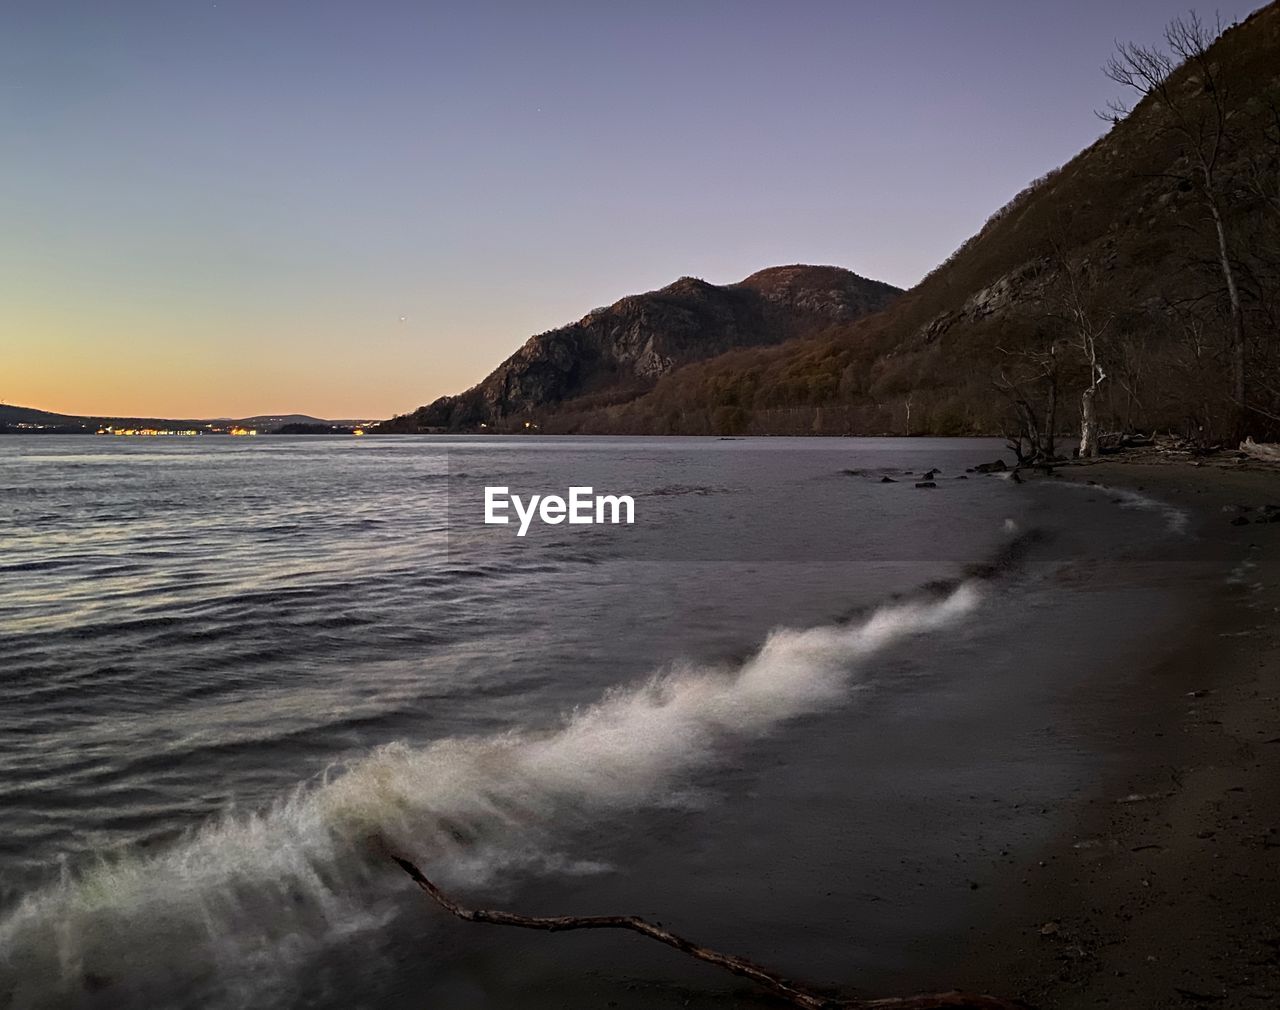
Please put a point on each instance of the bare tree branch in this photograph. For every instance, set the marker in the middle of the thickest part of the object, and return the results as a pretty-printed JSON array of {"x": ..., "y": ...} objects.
[
  {"x": 1198, "y": 109},
  {"x": 776, "y": 984}
]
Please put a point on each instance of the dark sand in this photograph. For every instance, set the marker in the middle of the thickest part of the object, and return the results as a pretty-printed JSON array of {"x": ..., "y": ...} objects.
[{"x": 1166, "y": 891}]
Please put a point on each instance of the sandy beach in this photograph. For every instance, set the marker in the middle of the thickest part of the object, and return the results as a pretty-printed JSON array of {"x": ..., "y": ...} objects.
[{"x": 1166, "y": 890}]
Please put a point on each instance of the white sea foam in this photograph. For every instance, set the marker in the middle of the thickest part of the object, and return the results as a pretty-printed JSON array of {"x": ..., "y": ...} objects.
[
  {"x": 247, "y": 897},
  {"x": 1176, "y": 520}
]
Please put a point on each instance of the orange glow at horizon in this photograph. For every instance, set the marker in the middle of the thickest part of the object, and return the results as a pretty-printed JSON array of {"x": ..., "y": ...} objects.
[{"x": 94, "y": 365}]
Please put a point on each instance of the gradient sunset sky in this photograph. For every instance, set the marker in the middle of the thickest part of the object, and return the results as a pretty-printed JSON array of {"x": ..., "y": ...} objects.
[{"x": 348, "y": 209}]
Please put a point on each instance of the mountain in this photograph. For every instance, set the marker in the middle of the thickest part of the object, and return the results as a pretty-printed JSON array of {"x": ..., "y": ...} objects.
[
  {"x": 1119, "y": 245},
  {"x": 618, "y": 353}
]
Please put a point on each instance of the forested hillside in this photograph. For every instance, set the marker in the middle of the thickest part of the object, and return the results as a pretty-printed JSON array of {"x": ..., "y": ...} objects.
[{"x": 1140, "y": 281}]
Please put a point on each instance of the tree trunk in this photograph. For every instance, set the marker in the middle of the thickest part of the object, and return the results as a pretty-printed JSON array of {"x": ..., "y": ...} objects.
[
  {"x": 1238, "y": 386},
  {"x": 1051, "y": 418},
  {"x": 1031, "y": 430},
  {"x": 1088, "y": 423}
]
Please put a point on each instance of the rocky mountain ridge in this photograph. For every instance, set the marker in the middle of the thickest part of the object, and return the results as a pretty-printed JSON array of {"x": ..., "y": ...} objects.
[{"x": 616, "y": 353}]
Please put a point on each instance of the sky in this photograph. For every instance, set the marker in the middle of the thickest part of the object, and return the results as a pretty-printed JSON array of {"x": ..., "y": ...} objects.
[{"x": 348, "y": 209}]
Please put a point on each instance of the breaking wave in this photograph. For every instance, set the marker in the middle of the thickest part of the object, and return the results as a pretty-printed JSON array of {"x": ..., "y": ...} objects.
[
  {"x": 248, "y": 898},
  {"x": 1176, "y": 520}
]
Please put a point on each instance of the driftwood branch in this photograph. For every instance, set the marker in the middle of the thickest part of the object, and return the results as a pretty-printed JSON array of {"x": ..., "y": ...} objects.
[
  {"x": 791, "y": 992},
  {"x": 1266, "y": 452}
]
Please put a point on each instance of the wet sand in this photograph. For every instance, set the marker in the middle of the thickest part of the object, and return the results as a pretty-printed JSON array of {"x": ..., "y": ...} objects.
[{"x": 1165, "y": 892}]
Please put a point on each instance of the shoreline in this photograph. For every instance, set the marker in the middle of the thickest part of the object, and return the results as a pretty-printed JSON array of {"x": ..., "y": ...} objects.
[
  {"x": 1072, "y": 817},
  {"x": 1165, "y": 889}
]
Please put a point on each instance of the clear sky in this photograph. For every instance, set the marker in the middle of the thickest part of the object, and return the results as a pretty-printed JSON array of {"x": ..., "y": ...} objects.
[{"x": 349, "y": 208}]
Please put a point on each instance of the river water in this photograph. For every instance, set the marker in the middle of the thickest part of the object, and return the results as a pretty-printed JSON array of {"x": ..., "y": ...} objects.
[{"x": 794, "y": 710}]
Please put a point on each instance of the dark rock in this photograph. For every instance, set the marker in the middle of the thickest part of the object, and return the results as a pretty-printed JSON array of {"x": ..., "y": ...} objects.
[
  {"x": 94, "y": 982},
  {"x": 1240, "y": 521},
  {"x": 926, "y": 483},
  {"x": 995, "y": 466},
  {"x": 887, "y": 480}
]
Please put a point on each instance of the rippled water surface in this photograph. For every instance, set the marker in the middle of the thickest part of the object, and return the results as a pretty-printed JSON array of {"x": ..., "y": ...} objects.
[{"x": 236, "y": 673}]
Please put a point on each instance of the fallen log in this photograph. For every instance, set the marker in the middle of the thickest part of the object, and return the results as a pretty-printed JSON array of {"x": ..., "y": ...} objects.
[
  {"x": 793, "y": 993},
  {"x": 1267, "y": 452}
]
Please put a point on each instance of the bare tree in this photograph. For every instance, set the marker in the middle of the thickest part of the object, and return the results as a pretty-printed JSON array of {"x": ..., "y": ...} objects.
[
  {"x": 1088, "y": 327},
  {"x": 1028, "y": 376},
  {"x": 1088, "y": 404},
  {"x": 1132, "y": 355},
  {"x": 1262, "y": 181},
  {"x": 1191, "y": 358},
  {"x": 1196, "y": 108}
]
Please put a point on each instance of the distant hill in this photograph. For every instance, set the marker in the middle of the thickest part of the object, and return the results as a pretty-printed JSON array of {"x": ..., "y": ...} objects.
[
  {"x": 1123, "y": 232},
  {"x": 272, "y": 421},
  {"x": 29, "y": 415},
  {"x": 29, "y": 420},
  {"x": 618, "y": 353}
]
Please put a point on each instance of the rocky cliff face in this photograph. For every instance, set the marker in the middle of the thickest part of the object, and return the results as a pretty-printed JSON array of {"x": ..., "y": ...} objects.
[
  {"x": 619, "y": 352},
  {"x": 829, "y": 293}
]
